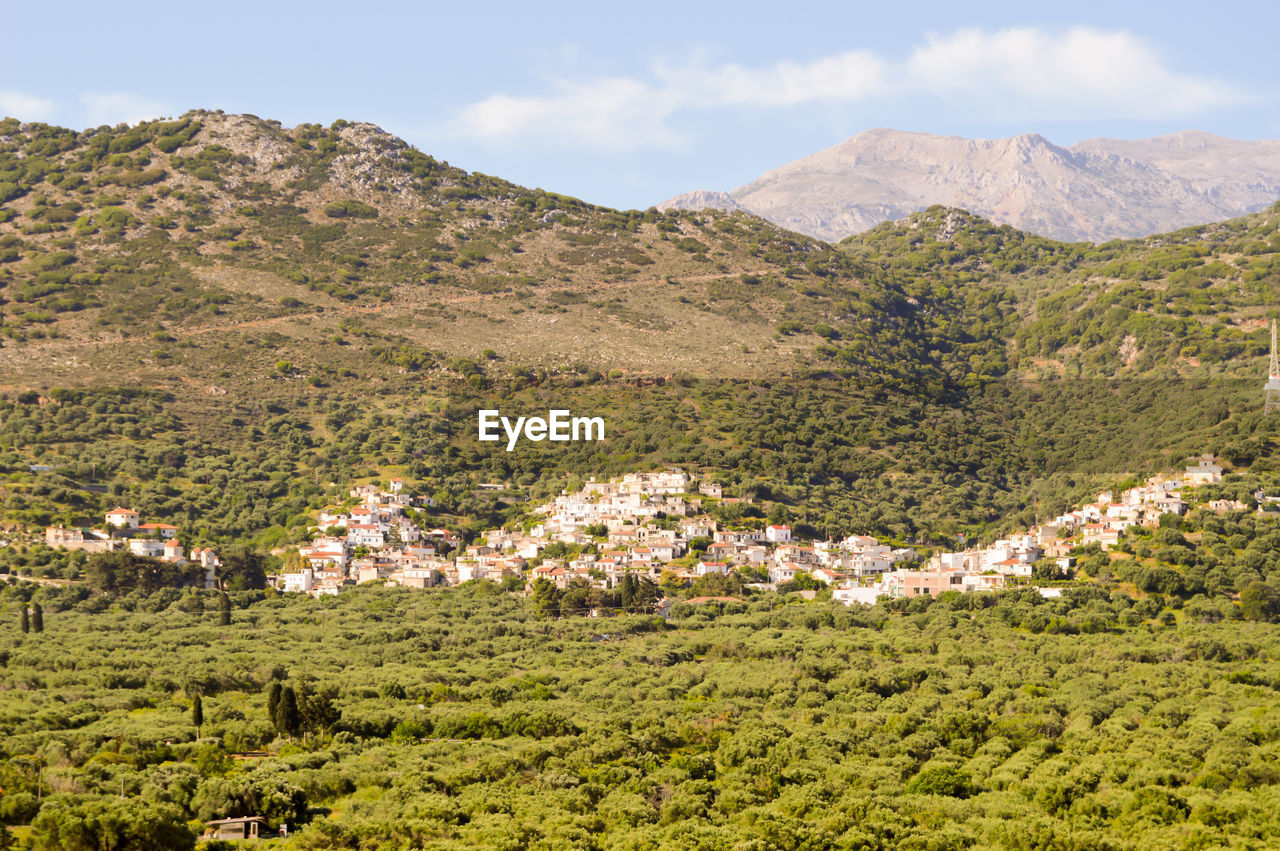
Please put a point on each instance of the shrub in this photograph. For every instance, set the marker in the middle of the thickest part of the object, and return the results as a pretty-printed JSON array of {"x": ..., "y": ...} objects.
[
  {"x": 941, "y": 780},
  {"x": 350, "y": 209}
]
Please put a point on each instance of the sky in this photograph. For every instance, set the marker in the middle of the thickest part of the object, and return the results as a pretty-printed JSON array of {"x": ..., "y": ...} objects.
[{"x": 627, "y": 107}]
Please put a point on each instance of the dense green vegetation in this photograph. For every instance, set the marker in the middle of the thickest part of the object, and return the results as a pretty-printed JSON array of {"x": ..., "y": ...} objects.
[
  {"x": 845, "y": 455},
  {"x": 1190, "y": 302},
  {"x": 463, "y": 717}
]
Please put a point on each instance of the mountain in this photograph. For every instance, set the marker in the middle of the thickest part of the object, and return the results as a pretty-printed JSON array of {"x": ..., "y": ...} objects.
[
  {"x": 208, "y": 318},
  {"x": 1095, "y": 191},
  {"x": 702, "y": 199},
  {"x": 121, "y": 242}
]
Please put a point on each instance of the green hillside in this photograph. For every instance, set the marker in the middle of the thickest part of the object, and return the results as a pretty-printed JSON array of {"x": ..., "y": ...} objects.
[
  {"x": 168, "y": 242},
  {"x": 218, "y": 319},
  {"x": 1192, "y": 303}
]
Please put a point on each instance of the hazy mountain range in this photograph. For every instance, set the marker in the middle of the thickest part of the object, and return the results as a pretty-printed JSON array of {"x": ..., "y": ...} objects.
[{"x": 1095, "y": 190}]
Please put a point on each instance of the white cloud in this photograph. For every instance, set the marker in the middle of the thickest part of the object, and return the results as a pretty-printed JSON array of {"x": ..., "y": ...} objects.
[
  {"x": 1005, "y": 74},
  {"x": 845, "y": 77},
  {"x": 25, "y": 107},
  {"x": 614, "y": 113},
  {"x": 1083, "y": 72},
  {"x": 119, "y": 107}
]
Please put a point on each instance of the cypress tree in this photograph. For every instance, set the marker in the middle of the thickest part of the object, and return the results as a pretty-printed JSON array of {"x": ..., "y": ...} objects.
[
  {"x": 273, "y": 701},
  {"x": 288, "y": 718},
  {"x": 37, "y": 617},
  {"x": 197, "y": 714},
  {"x": 26, "y": 620},
  {"x": 224, "y": 610}
]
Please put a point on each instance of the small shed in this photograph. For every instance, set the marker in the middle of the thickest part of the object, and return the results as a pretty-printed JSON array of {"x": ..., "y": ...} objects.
[{"x": 245, "y": 827}]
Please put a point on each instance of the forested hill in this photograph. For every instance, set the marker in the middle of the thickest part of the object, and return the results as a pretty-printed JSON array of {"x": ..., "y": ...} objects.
[
  {"x": 212, "y": 318},
  {"x": 178, "y": 247},
  {"x": 1196, "y": 302}
]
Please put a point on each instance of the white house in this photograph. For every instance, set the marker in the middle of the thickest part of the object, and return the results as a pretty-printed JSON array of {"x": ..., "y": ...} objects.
[
  {"x": 366, "y": 535},
  {"x": 147, "y": 547},
  {"x": 164, "y": 530},
  {"x": 784, "y": 571},
  {"x": 861, "y": 596},
  {"x": 778, "y": 534},
  {"x": 867, "y": 564},
  {"x": 208, "y": 559},
  {"x": 56, "y": 536},
  {"x": 301, "y": 582},
  {"x": 122, "y": 518}
]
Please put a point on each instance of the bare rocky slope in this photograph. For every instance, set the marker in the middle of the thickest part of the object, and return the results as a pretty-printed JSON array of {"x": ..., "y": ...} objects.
[
  {"x": 702, "y": 199},
  {"x": 1096, "y": 190}
]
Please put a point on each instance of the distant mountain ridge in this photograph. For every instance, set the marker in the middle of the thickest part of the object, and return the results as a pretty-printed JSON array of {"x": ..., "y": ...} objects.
[{"x": 1095, "y": 191}]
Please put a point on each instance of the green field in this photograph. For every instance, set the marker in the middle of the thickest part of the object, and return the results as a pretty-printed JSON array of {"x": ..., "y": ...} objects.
[{"x": 1093, "y": 721}]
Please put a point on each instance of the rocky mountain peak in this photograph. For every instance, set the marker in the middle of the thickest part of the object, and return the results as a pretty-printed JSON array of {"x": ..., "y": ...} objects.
[
  {"x": 701, "y": 199},
  {"x": 1096, "y": 190}
]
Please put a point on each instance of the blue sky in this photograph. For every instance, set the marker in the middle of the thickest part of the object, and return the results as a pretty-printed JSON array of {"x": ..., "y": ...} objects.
[{"x": 626, "y": 107}]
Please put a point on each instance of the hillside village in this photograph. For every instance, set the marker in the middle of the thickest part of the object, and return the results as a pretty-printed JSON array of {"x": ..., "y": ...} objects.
[
  {"x": 123, "y": 530},
  {"x": 657, "y": 526}
]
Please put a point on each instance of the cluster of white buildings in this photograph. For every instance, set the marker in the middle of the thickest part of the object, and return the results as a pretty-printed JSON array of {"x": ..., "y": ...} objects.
[
  {"x": 628, "y": 501},
  {"x": 1102, "y": 521},
  {"x": 640, "y": 523},
  {"x": 637, "y": 524},
  {"x": 124, "y": 530},
  {"x": 985, "y": 569},
  {"x": 371, "y": 539}
]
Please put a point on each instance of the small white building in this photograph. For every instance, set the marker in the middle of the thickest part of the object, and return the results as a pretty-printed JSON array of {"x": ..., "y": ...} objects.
[
  {"x": 301, "y": 582},
  {"x": 208, "y": 559},
  {"x": 164, "y": 530},
  {"x": 122, "y": 518},
  {"x": 57, "y": 536},
  {"x": 148, "y": 547},
  {"x": 366, "y": 535},
  {"x": 784, "y": 572},
  {"x": 778, "y": 534},
  {"x": 861, "y": 596}
]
